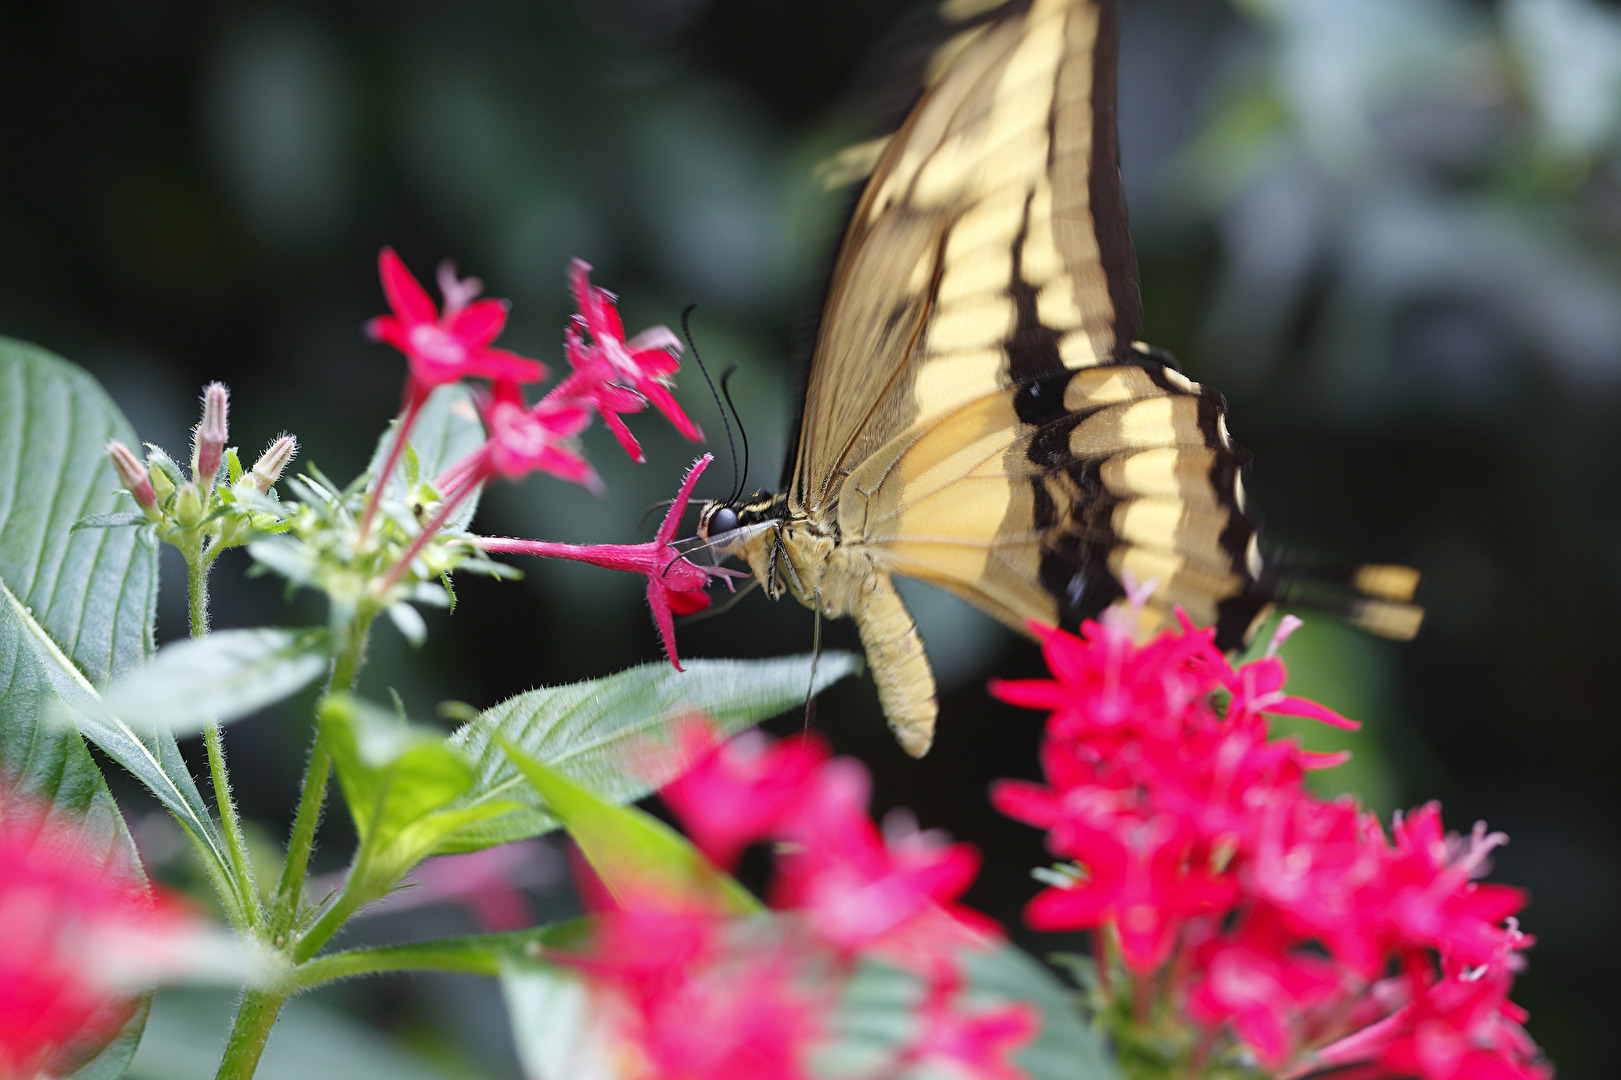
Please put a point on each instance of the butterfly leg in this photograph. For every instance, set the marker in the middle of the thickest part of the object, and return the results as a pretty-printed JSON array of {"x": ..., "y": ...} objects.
[{"x": 899, "y": 665}]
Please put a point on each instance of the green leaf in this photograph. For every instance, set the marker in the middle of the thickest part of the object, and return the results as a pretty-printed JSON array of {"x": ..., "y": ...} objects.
[
  {"x": 400, "y": 781},
  {"x": 878, "y": 1010},
  {"x": 75, "y": 606},
  {"x": 222, "y": 676},
  {"x": 112, "y": 521},
  {"x": 587, "y": 731},
  {"x": 114, "y": 1059},
  {"x": 631, "y": 851}
]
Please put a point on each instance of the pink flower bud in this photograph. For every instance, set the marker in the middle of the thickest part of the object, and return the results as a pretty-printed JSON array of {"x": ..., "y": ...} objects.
[
  {"x": 208, "y": 437},
  {"x": 133, "y": 475},
  {"x": 273, "y": 462}
]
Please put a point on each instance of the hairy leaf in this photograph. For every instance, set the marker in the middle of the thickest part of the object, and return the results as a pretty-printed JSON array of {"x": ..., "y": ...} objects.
[
  {"x": 223, "y": 676},
  {"x": 634, "y": 853},
  {"x": 75, "y": 606},
  {"x": 589, "y": 731}
]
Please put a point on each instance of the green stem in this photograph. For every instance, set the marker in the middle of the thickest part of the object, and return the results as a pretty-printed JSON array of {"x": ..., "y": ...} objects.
[
  {"x": 476, "y": 955},
  {"x": 346, "y": 663},
  {"x": 351, "y": 900},
  {"x": 254, "y": 1019},
  {"x": 247, "y": 904},
  {"x": 351, "y": 653},
  {"x": 301, "y": 840},
  {"x": 236, "y": 844},
  {"x": 197, "y": 564}
]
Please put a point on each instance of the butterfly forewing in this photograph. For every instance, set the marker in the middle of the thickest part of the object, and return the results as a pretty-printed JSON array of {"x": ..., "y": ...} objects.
[{"x": 989, "y": 245}]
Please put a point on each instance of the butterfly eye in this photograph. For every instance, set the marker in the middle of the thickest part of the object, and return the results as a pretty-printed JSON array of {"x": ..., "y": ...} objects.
[{"x": 723, "y": 520}]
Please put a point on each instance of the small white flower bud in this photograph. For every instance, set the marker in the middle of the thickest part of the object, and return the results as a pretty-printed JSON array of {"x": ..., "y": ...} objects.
[{"x": 273, "y": 462}]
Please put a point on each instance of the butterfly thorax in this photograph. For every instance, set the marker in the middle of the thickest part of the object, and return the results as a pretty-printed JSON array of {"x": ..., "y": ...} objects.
[{"x": 791, "y": 551}]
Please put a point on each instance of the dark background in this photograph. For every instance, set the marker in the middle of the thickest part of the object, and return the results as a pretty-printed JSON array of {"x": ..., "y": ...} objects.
[{"x": 1386, "y": 229}]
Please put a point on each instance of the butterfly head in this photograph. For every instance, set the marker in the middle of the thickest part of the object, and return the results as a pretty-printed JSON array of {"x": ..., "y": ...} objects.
[{"x": 718, "y": 519}]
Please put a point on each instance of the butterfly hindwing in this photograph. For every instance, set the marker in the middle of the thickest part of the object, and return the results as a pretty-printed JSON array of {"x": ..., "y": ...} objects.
[{"x": 1037, "y": 501}]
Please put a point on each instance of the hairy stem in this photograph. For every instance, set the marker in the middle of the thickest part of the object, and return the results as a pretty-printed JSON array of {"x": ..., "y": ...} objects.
[
  {"x": 479, "y": 954},
  {"x": 197, "y": 564},
  {"x": 255, "y": 1016},
  {"x": 236, "y": 844},
  {"x": 301, "y": 840},
  {"x": 351, "y": 651},
  {"x": 247, "y": 904}
]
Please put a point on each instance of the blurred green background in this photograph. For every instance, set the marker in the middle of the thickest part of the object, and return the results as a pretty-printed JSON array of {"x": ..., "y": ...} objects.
[{"x": 1388, "y": 230}]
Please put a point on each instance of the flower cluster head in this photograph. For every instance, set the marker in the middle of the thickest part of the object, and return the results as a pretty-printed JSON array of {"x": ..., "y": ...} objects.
[
  {"x": 1296, "y": 925},
  {"x": 80, "y": 938},
  {"x": 691, "y": 991},
  {"x": 610, "y": 377}
]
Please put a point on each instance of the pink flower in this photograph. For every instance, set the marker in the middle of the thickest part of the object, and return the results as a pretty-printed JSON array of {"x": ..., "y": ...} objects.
[
  {"x": 860, "y": 889},
  {"x": 1221, "y": 876},
  {"x": 646, "y": 361},
  {"x": 1263, "y": 987},
  {"x": 1463, "y": 1027},
  {"x": 1145, "y": 881},
  {"x": 971, "y": 1044},
  {"x": 686, "y": 1001},
  {"x": 675, "y": 586},
  {"x": 741, "y": 791},
  {"x": 448, "y": 348},
  {"x": 1430, "y": 901},
  {"x": 76, "y": 930},
  {"x": 524, "y": 440}
]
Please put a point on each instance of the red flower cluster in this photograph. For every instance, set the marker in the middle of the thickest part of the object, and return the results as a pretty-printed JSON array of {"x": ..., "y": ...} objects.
[
  {"x": 1295, "y": 923},
  {"x": 77, "y": 932},
  {"x": 611, "y": 377},
  {"x": 692, "y": 992}
]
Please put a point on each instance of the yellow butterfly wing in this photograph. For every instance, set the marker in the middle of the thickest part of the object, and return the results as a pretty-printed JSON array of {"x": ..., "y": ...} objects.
[
  {"x": 978, "y": 414},
  {"x": 990, "y": 244}
]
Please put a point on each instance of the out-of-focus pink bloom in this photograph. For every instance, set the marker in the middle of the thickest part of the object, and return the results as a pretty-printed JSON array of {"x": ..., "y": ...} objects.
[
  {"x": 971, "y": 1044},
  {"x": 739, "y": 792},
  {"x": 450, "y": 347},
  {"x": 79, "y": 934},
  {"x": 687, "y": 1003},
  {"x": 1200, "y": 851},
  {"x": 860, "y": 889},
  {"x": 1430, "y": 900},
  {"x": 646, "y": 361},
  {"x": 1146, "y": 881},
  {"x": 525, "y": 439},
  {"x": 675, "y": 586},
  {"x": 1263, "y": 988},
  {"x": 1462, "y": 1027}
]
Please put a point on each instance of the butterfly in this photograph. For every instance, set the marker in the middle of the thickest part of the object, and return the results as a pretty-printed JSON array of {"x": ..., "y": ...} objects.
[{"x": 978, "y": 413}]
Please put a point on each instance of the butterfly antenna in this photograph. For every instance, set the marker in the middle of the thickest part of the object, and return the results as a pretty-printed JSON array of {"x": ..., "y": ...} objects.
[
  {"x": 742, "y": 431},
  {"x": 641, "y": 524},
  {"x": 724, "y": 419}
]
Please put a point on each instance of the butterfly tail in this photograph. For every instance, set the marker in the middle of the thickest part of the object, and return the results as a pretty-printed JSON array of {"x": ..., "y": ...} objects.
[{"x": 1375, "y": 597}]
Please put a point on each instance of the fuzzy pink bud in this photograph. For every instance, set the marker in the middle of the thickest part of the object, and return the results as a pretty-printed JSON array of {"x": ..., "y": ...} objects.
[
  {"x": 273, "y": 462},
  {"x": 208, "y": 438},
  {"x": 133, "y": 475}
]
